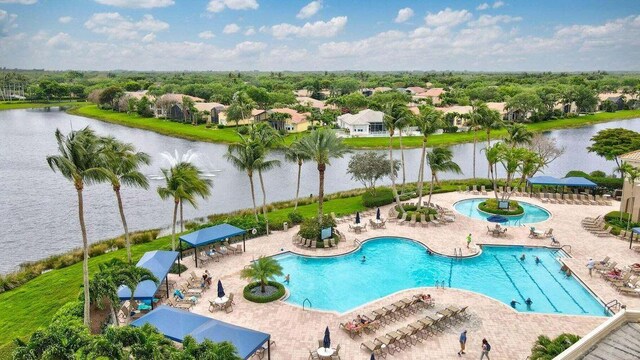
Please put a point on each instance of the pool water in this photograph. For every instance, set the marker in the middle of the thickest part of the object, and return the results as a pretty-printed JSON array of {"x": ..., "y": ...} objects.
[
  {"x": 341, "y": 283},
  {"x": 532, "y": 213}
]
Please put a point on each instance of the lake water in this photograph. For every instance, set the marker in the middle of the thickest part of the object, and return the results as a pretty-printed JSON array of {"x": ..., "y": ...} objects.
[{"x": 38, "y": 210}]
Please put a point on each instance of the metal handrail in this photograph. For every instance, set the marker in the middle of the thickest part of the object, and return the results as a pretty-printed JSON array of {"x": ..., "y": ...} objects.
[
  {"x": 305, "y": 300},
  {"x": 562, "y": 247},
  {"x": 611, "y": 304}
]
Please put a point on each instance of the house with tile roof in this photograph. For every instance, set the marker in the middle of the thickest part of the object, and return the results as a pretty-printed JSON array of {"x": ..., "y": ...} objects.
[{"x": 365, "y": 123}]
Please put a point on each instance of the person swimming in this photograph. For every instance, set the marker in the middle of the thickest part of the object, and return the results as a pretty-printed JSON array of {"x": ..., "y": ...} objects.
[
  {"x": 287, "y": 278},
  {"x": 513, "y": 303},
  {"x": 522, "y": 257},
  {"x": 537, "y": 260},
  {"x": 528, "y": 302},
  {"x": 364, "y": 258},
  {"x": 429, "y": 252}
]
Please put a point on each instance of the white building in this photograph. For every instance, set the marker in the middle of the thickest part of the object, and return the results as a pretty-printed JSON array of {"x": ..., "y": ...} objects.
[{"x": 365, "y": 123}]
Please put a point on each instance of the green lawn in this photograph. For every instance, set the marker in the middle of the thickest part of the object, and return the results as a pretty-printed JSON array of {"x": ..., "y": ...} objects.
[{"x": 11, "y": 105}]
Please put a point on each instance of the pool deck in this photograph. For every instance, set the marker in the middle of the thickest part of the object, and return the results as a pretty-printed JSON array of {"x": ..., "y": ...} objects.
[{"x": 510, "y": 333}]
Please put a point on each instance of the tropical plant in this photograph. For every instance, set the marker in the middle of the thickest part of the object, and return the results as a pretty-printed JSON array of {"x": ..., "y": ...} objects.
[
  {"x": 266, "y": 138},
  {"x": 121, "y": 164},
  {"x": 321, "y": 146},
  {"x": 208, "y": 350},
  {"x": 440, "y": 160},
  {"x": 428, "y": 122},
  {"x": 240, "y": 107},
  {"x": 262, "y": 270},
  {"x": 60, "y": 340},
  {"x": 294, "y": 154},
  {"x": 611, "y": 143},
  {"x": 245, "y": 156},
  {"x": 518, "y": 134},
  {"x": 547, "y": 349},
  {"x": 488, "y": 120},
  {"x": 395, "y": 115},
  {"x": 184, "y": 181},
  {"x": 369, "y": 167},
  {"x": 77, "y": 163}
]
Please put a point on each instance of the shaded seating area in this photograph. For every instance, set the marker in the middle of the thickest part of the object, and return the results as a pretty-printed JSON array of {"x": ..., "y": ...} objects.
[
  {"x": 177, "y": 324},
  {"x": 213, "y": 234},
  {"x": 159, "y": 263},
  {"x": 558, "y": 197}
]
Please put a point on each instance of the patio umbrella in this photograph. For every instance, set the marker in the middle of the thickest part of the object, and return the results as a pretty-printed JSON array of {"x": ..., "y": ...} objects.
[
  {"x": 220, "y": 289},
  {"x": 358, "y": 218},
  {"x": 372, "y": 357},
  {"x": 497, "y": 219},
  {"x": 326, "y": 342},
  {"x": 377, "y": 217}
]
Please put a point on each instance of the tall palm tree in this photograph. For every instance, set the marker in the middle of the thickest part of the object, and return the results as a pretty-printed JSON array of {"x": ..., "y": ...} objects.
[
  {"x": 295, "y": 155},
  {"x": 394, "y": 115},
  {"x": 321, "y": 146},
  {"x": 77, "y": 163},
  {"x": 240, "y": 107},
  {"x": 473, "y": 122},
  {"x": 518, "y": 134},
  {"x": 440, "y": 160},
  {"x": 267, "y": 137},
  {"x": 245, "y": 156},
  {"x": 184, "y": 181},
  {"x": 121, "y": 163},
  {"x": 493, "y": 155},
  {"x": 428, "y": 122},
  {"x": 488, "y": 120},
  {"x": 262, "y": 270}
]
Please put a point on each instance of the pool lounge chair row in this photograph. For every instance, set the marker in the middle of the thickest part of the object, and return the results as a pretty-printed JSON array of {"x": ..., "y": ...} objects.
[
  {"x": 573, "y": 199},
  {"x": 624, "y": 282},
  {"x": 352, "y": 217},
  {"x": 300, "y": 241},
  {"x": 597, "y": 226},
  {"x": 418, "y": 331}
]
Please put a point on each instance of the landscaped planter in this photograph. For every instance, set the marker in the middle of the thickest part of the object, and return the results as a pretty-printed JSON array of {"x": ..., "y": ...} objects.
[
  {"x": 274, "y": 291},
  {"x": 491, "y": 206}
]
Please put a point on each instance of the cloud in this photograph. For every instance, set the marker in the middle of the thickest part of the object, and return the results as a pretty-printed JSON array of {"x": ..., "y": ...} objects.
[
  {"x": 7, "y": 22},
  {"x": 448, "y": 18},
  {"x": 404, "y": 15},
  {"x": 317, "y": 29},
  {"x": 231, "y": 29},
  {"x": 206, "y": 35},
  {"x": 117, "y": 27},
  {"x": 488, "y": 20},
  {"x": 149, "y": 37},
  {"x": 135, "y": 4},
  {"x": 310, "y": 9},
  {"x": 65, "y": 19},
  {"x": 216, "y": 6},
  {"x": 21, "y": 2},
  {"x": 483, "y": 6},
  {"x": 250, "y": 31},
  {"x": 498, "y": 4}
]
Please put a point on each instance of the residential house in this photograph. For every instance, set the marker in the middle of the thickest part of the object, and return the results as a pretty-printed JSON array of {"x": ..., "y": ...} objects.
[
  {"x": 382, "y": 89},
  {"x": 630, "y": 201},
  {"x": 460, "y": 110},
  {"x": 314, "y": 103},
  {"x": 139, "y": 95},
  {"x": 302, "y": 92},
  {"x": 365, "y": 123},
  {"x": 617, "y": 98},
  {"x": 164, "y": 104},
  {"x": 570, "y": 108},
  {"x": 431, "y": 94},
  {"x": 255, "y": 117},
  {"x": 214, "y": 110},
  {"x": 415, "y": 90},
  {"x": 297, "y": 122}
]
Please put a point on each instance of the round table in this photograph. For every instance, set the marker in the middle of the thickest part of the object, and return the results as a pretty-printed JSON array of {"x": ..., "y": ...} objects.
[
  {"x": 325, "y": 352},
  {"x": 221, "y": 300}
]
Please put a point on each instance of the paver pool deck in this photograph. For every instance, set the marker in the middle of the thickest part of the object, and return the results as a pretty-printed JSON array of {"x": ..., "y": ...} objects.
[{"x": 511, "y": 333}]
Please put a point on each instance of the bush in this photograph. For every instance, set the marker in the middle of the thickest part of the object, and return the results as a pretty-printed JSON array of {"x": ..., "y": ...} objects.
[
  {"x": 97, "y": 249},
  {"x": 491, "y": 206},
  {"x": 70, "y": 309},
  {"x": 382, "y": 196},
  {"x": 263, "y": 299},
  {"x": 598, "y": 173},
  {"x": 295, "y": 218},
  {"x": 310, "y": 229},
  {"x": 577, "y": 173},
  {"x": 141, "y": 238},
  {"x": 220, "y": 126},
  {"x": 175, "y": 269}
]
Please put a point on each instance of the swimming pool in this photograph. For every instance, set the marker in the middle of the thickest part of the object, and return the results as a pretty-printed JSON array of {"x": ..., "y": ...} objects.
[
  {"x": 532, "y": 213},
  {"x": 341, "y": 283}
]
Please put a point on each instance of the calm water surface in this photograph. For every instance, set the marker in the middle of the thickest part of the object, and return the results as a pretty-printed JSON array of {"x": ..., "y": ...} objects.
[{"x": 38, "y": 215}]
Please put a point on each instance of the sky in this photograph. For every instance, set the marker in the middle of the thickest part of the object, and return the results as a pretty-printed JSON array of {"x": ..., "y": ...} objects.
[{"x": 276, "y": 35}]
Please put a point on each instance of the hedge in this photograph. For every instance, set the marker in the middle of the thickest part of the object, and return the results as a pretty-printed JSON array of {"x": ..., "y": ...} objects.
[
  {"x": 263, "y": 299},
  {"x": 382, "y": 196},
  {"x": 491, "y": 206}
]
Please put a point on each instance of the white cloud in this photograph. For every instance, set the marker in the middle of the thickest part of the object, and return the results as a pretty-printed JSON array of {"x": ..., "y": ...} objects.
[
  {"x": 149, "y": 37},
  {"x": 483, "y": 6},
  {"x": 206, "y": 35},
  {"x": 250, "y": 31},
  {"x": 142, "y": 4},
  {"x": 117, "y": 27},
  {"x": 21, "y": 2},
  {"x": 310, "y": 9},
  {"x": 7, "y": 22},
  {"x": 231, "y": 29},
  {"x": 488, "y": 20},
  {"x": 216, "y": 6},
  {"x": 498, "y": 4},
  {"x": 447, "y": 17},
  {"x": 404, "y": 15},
  {"x": 65, "y": 19},
  {"x": 317, "y": 29},
  {"x": 60, "y": 41}
]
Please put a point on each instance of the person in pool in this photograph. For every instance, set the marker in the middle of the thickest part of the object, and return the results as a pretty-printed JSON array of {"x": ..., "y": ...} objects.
[
  {"x": 429, "y": 252},
  {"x": 537, "y": 260},
  {"x": 287, "y": 278},
  {"x": 513, "y": 303},
  {"x": 528, "y": 302},
  {"x": 522, "y": 257},
  {"x": 364, "y": 258}
]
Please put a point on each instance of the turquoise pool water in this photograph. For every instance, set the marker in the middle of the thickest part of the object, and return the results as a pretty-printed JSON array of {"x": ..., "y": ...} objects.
[
  {"x": 532, "y": 213},
  {"x": 342, "y": 283}
]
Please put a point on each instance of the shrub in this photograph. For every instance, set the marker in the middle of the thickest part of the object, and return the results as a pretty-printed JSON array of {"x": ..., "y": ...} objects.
[
  {"x": 310, "y": 229},
  {"x": 175, "y": 269},
  {"x": 70, "y": 309},
  {"x": 598, "y": 173},
  {"x": 382, "y": 196},
  {"x": 141, "y": 238},
  {"x": 263, "y": 299},
  {"x": 491, "y": 206},
  {"x": 97, "y": 249},
  {"x": 295, "y": 217},
  {"x": 220, "y": 126},
  {"x": 577, "y": 173}
]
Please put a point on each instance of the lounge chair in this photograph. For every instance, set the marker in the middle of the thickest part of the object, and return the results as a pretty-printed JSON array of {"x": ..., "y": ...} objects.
[
  {"x": 625, "y": 284},
  {"x": 192, "y": 291},
  {"x": 221, "y": 250},
  {"x": 466, "y": 190},
  {"x": 423, "y": 220},
  {"x": 545, "y": 198},
  {"x": 483, "y": 190},
  {"x": 314, "y": 244},
  {"x": 412, "y": 223},
  {"x": 263, "y": 350},
  {"x": 603, "y": 233},
  {"x": 548, "y": 233},
  {"x": 352, "y": 331},
  {"x": 185, "y": 305},
  {"x": 629, "y": 291},
  {"x": 403, "y": 219},
  {"x": 375, "y": 349},
  {"x": 475, "y": 190},
  {"x": 332, "y": 241},
  {"x": 605, "y": 267},
  {"x": 434, "y": 220}
]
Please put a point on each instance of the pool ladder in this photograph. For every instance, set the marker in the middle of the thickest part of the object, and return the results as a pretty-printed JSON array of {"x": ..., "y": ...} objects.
[
  {"x": 457, "y": 253},
  {"x": 613, "y": 305},
  {"x": 440, "y": 284},
  {"x": 305, "y": 301}
]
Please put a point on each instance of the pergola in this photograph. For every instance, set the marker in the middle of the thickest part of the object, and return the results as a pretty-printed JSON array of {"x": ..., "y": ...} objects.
[
  {"x": 211, "y": 235},
  {"x": 177, "y": 324},
  {"x": 159, "y": 263},
  {"x": 578, "y": 182}
]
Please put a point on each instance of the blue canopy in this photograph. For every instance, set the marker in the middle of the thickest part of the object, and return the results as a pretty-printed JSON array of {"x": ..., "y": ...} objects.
[
  {"x": 158, "y": 262},
  {"x": 636, "y": 230},
  {"x": 552, "y": 181},
  {"x": 211, "y": 234},
  {"x": 177, "y": 324}
]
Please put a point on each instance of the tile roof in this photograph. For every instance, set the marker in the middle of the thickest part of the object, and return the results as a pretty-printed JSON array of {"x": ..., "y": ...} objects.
[
  {"x": 364, "y": 117},
  {"x": 631, "y": 156}
]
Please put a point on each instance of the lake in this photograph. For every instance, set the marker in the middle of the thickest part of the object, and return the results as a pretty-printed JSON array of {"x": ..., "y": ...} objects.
[{"x": 38, "y": 212}]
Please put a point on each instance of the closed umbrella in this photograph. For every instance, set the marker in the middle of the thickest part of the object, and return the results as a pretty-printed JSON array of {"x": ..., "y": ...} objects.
[
  {"x": 358, "y": 218},
  {"x": 377, "y": 218},
  {"x": 326, "y": 342},
  {"x": 372, "y": 357},
  {"x": 220, "y": 289},
  {"x": 497, "y": 219}
]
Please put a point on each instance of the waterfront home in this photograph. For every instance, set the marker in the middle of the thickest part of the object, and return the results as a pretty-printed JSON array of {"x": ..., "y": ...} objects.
[
  {"x": 256, "y": 116},
  {"x": 617, "y": 98},
  {"x": 365, "y": 123},
  {"x": 210, "y": 111},
  {"x": 296, "y": 122},
  {"x": 139, "y": 95},
  {"x": 382, "y": 89},
  {"x": 164, "y": 105},
  {"x": 415, "y": 90},
  {"x": 567, "y": 108},
  {"x": 458, "y": 119}
]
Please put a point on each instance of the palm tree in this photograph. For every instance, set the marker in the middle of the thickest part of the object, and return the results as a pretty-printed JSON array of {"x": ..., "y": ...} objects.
[
  {"x": 267, "y": 137},
  {"x": 473, "y": 121},
  {"x": 395, "y": 115},
  {"x": 321, "y": 146},
  {"x": 488, "y": 120},
  {"x": 428, "y": 122},
  {"x": 518, "y": 134},
  {"x": 440, "y": 160},
  {"x": 295, "y": 155},
  {"x": 183, "y": 182},
  {"x": 245, "y": 156},
  {"x": 547, "y": 349},
  {"x": 262, "y": 270},
  {"x": 493, "y": 157},
  {"x": 240, "y": 107},
  {"x": 121, "y": 163},
  {"x": 77, "y": 163}
]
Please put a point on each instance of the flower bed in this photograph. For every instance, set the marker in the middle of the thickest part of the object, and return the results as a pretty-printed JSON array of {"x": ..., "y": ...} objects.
[{"x": 275, "y": 291}]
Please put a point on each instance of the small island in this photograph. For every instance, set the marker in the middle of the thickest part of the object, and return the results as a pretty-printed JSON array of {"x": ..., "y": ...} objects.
[{"x": 491, "y": 206}]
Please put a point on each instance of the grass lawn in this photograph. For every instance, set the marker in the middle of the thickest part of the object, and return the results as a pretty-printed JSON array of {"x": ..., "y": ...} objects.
[{"x": 11, "y": 105}]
